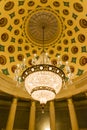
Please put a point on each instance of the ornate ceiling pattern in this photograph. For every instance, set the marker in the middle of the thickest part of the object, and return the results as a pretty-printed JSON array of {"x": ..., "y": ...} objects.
[{"x": 21, "y": 36}]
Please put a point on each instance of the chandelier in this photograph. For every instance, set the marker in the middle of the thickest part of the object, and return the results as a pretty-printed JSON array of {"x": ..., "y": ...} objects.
[{"x": 42, "y": 80}]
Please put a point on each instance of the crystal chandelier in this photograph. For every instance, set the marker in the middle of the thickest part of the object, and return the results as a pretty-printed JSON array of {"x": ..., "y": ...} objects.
[{"x": 42, "y": 80}]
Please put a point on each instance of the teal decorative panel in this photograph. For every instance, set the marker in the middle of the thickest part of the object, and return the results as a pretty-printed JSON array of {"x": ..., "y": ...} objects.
[
  {"x": 74, "y": 16},
  {"x": 83, "y": 49},
  {"x": 80, "y": 72},
  {"x": 62, "y": 67},
  {"x": 66, "y": 49},
  {"x": 76, "y": 29},
  {"x": 12, "y": 59},
  {"x": 12, "y": 39},
  {"x": 12, "y": 15},
  {"x": 19, "y": 49},
  {"x": 66, "y": 4},
  {"x": 73, "y": 40},
  {"x": 73, "y": 59},
  {"x": 27, "y": 54},
  {"x": 2, "y": 48},
  {"x": 10, "y": 28},
  {"x": 5, "y": 71},
  {"x": 20, "y": 3}
]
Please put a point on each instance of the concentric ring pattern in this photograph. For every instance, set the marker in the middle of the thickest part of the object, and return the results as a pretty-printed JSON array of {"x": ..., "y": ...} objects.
[
  {"x": 21, "y": 24},
  {"x": 47, "y": 19}
]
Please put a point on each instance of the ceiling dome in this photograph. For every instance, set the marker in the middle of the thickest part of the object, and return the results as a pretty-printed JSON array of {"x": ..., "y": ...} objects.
[
  {"x": 21, "y": 33},
  {"x": 53, "y": 27}
]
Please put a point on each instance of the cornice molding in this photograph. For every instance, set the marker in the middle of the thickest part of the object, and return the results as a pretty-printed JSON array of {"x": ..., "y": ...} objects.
[{"x": 7, "y": 85}]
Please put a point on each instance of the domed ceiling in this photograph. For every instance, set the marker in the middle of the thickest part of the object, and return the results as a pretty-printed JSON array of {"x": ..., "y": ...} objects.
[{"x": 21, "y": 34}]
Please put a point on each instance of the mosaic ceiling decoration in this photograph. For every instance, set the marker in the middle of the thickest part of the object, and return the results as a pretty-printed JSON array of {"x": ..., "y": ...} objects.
[{"x": 21, "y": 33}]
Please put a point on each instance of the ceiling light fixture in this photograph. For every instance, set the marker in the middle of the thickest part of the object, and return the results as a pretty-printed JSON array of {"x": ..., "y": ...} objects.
[{"x": 42, "y": 80}]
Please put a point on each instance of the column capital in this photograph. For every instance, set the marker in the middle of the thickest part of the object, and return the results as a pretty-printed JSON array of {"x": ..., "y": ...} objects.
[{"x": 70, "y": 101}]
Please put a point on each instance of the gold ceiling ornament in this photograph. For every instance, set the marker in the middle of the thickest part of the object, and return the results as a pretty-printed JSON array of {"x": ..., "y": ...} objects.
[
  {"x": 33, "y": 23},
  {"x": 43, "y": 81}
]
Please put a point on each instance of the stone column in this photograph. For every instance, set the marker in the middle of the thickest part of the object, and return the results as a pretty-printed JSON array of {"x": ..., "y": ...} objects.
[
  {"x": 73, "y": 118},
  {"x": 11, "y": 117},
  {"x": 52, "y": 116},
  {"x": 32, "y": 116}
]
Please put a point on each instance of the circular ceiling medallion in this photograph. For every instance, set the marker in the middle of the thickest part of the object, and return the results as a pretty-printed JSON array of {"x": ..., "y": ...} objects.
[
  {"x": 30, "y": 61},
  {"x": 34, "y": 23},
  {"x": 11, "y": 49},
  {"x": 51, "y": 52},
  {"x": 4, "y": 37},
  {"x": 65, "y": 12},
  {"x": 78, "y": 7},
  {"x": 20, "y": 57},
  {"x": 65, "y": 57},
  {"x": 59, "y": 48},
  {"x": 54, "y": 62},
  {"x": 34, "y": 51},
  {"x": 83, "y": 23},
  {"x": 9, "y": 5},
  {"x": 16, "y": 32},
  {"x": 16, "y": 21},
  {"x": 74, "y": 49},
  {"x": 31, "y": 3},
  {"x": 81, "y": 38},
  {"x": 72, "y": 69},
  {"x": 69, "y": 32},
  {"x": 56, "y": 3},
  {"x": 83, "y": 61},
  {"x": 20, "y": 40},
  {"x": 26, "y": 47},
  {"x": 70, "y": 22},
  {"x": 2, "y": 60},
  {"x": 21, "y": 11},
  {"x": 43, "y": 1},
  {"x": 13, "y": 68},
  {"x": 65, "y": 41},
  {"x": 3, "y": 22}
]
